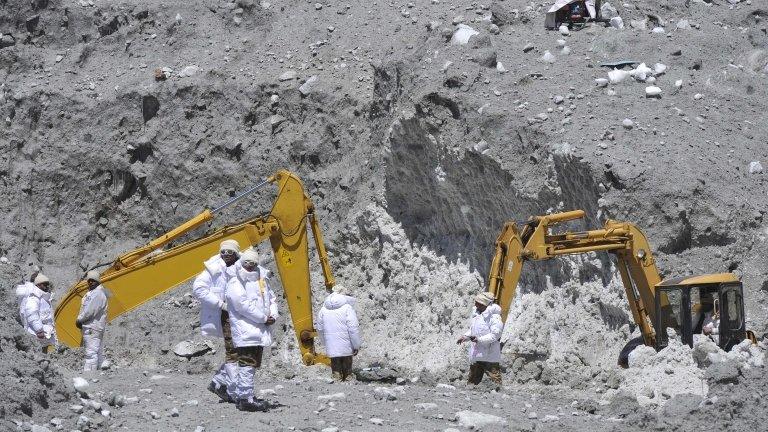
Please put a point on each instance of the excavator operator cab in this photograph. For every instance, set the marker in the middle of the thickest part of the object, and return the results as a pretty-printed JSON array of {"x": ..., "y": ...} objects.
[{"x": 689, "y": 305}]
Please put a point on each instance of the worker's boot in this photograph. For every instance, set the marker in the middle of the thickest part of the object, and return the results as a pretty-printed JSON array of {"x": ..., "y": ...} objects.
[
  {"x": 220, "y": 391},
  {"x": 251, "y": 405}
]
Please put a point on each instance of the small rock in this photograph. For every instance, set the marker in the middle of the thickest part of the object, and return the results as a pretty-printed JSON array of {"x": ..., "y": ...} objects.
[
  {"x": 82, "y": 421},
  {"x": 306, "y": 88},
  {"x": 154, "y": 415},
  {"x": 532, "y": 415},
  {"x": 755, "y": 167},
  {"x": 462, "y": 34},
  {"x": 558, "y": 99},
  {"x": 698, "y": 96},
  {"x": 445, "y": 386},
  {"x": 191, "y": 348},
  {"x": 564, "y": 30},
  {"x": 4, "y": 260},
  {"x": 617, "y": 23},
  {"x": 679, "y": 83},
  {"x": 628, "y": 123},
  {"x": 80, "y": 384},
  {"x": 500, "y": 68},
  {"x": 566, "y": 50},
  {"x": 57, "y": 422},
  {"x": 377, "y": 421},
  {"x": 658, "y": 30},
  {"x": 383, "y": 393},
  {"x": 288, "y": 75},
  {"x": 332, "y": 397},
  {"x": 652, "y": 91},
  {"x": 174, "y": 412},
  {"x": 494, "y": 29},
  {"x": 528, "y": 48},
  {"x": 478, "y": 420},
  {"x": 683, "y": 24},
  {"x": 616, "y": 76},
  {"x": 601, "y": 82},
  {"x": 458, "y": 20},
  {"x": 38, "y": 428},
  {"x": 318, "y": 6},
  {"x": 189, "y": 71},
  {"x": 548, "y": 57}
]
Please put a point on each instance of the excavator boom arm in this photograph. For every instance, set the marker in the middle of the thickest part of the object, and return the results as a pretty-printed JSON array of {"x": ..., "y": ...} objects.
[
  {"x": 534, "y": 242},
  {"x": 134, "y": 282}
]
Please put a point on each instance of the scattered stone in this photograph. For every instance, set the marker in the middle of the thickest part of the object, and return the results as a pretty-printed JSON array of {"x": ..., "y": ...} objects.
[
  {"x": 564, "y": 30},
  {"x": 494, "y": 29},
  {"x": 457, "y": 20},
  {"x": 617, "y": 75},
  {"x": 462, "y": 34},
  {"x": 617, "y": 23},
  {"x": 485, "y": 57},
  {"x": 306, "y": 88},
  {"x": 384, "y": 393},
  {"x": 755, "y": 167},
  {"x": 189, "y": 71},
  {"x": 601, "y": 82},
  {"x": 174, "y": 412},
  {"x": 445, "y": 386},
  {"x": 190, "y": 348},
  {"x": 332, "y": 397},
  {"x": 548, "y": 57},
  {"x": 558, "y": 99},
  {"x": 117, "y": 400},
  {"x": 377, "y": 421},
  {"x": 500, "y": 68},
  {"x": 679, "y": 83},
  {"x": 426, "y": 406},
  {"x": 528, "y": 48},
  {"x": 478, "y": 420},
  {"x": 82, "y": 421},
  {"x": 698, "y": 96},
  {"x": 566, "y": 50},
  {"x": 57, "y": 423},
  {"x": 7, "y": 40},
  {"x": 318, "y": 6},
  {"x": 288, "y": 75},
  {"x": 4, "y": 260},
  {"x": 659, "y": 68},
  {"x": 550, "y": 418},
  {"x": 162, "y": 74},
  {"x": 376, "y": 374},
  {"x": 683, "y": 24},
  {"x": 628, "y": 123},
  {"x": 652, "y": 91},
  {"x": 658, "y": 30},
  {"x": 80, "y": 384},
  {"x": 38, "y": 428}
]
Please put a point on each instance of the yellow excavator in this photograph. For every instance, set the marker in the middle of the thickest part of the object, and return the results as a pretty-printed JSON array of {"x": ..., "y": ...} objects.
[
  {"x": 146, "y": 272},
  {"x": 656, "y": 305}
]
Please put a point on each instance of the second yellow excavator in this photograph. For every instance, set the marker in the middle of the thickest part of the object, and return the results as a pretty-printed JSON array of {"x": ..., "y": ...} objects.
[
  {"x": 656, "y": 305},
  {"x": 144, "y": 273}
]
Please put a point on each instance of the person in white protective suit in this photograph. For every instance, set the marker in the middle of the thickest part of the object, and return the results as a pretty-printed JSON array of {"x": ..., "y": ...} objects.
[
  {"x": 253, "y": 311},
  {"x": 92, "y": 321},
  {"x": 209, "y": 287},
  {"x": 485, "y": 337},
  {"x": 22, "y": 291},
  {"x": 37, "y": 313},
  {"x": 338, "y": 327}
]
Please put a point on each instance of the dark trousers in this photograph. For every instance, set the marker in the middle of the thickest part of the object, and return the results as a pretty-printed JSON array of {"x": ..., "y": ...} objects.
[
  {"x": 249, "y": 356},
  {"x": 341, "y": 367},
  {"x": 480, "y": 368},
  {"x": 230, "y": 354}
]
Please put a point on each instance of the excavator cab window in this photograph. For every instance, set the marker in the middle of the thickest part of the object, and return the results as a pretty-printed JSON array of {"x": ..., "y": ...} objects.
[
  {"x": 731, "y": 308},
  {"x": 672, "y": 309}
]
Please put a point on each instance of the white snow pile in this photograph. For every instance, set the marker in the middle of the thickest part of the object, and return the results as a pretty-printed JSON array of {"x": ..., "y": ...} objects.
[
  {"x": 561, "y": 336},
  {"x": 655, "y": 377},
  {"x": 744, "y": 355}
]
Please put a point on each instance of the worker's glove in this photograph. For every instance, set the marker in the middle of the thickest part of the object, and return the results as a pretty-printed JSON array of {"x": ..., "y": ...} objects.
[{"x": 79, "y": 324}]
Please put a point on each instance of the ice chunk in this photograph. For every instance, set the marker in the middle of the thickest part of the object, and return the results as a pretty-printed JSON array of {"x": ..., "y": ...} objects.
[{"x": 462, "y": 34}]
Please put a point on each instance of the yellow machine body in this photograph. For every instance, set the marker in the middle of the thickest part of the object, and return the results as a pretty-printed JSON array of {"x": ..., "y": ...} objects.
[{"x": 147, "y": 272}]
